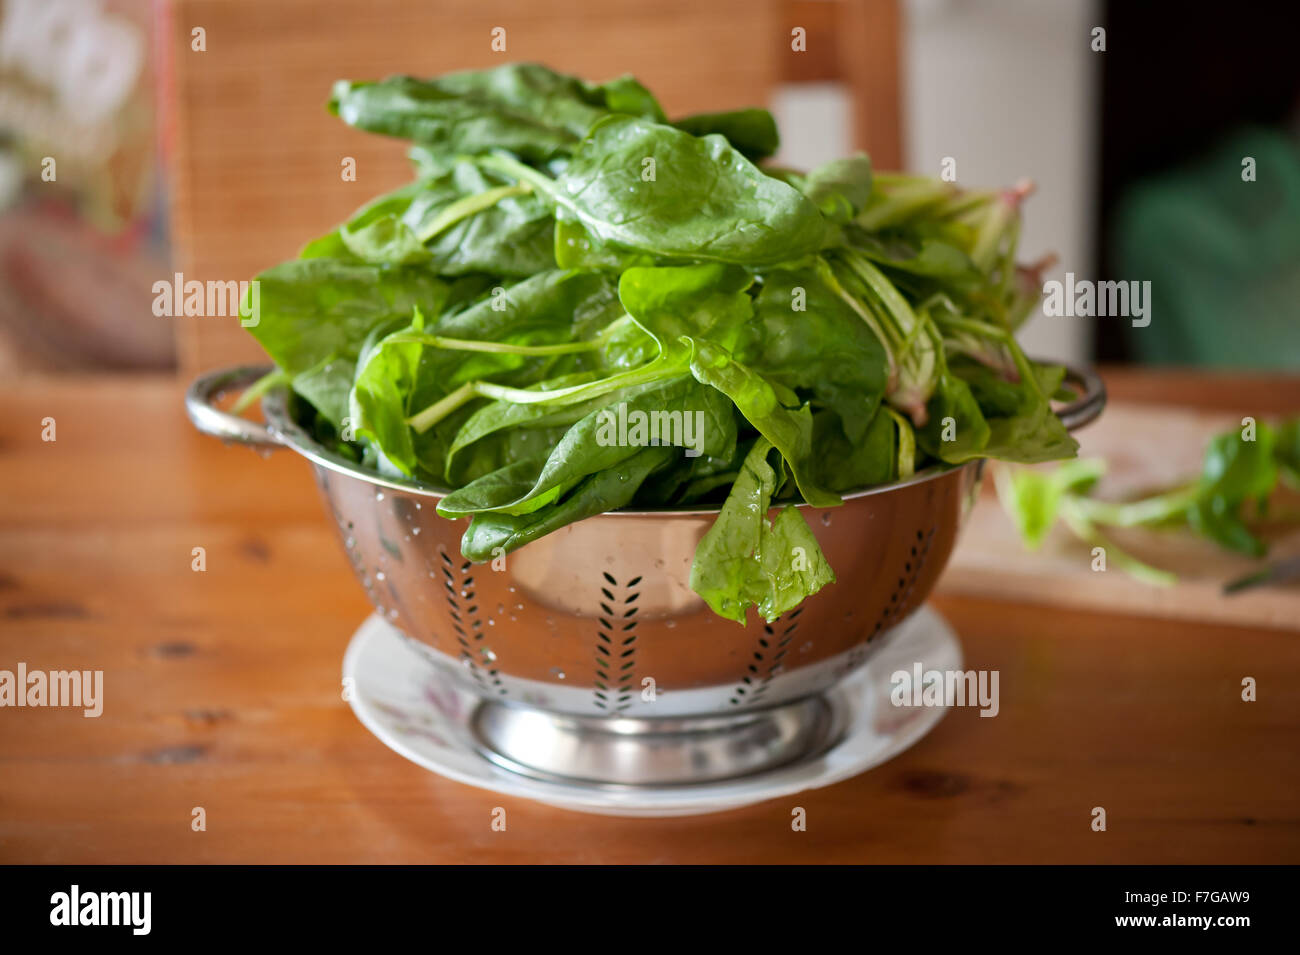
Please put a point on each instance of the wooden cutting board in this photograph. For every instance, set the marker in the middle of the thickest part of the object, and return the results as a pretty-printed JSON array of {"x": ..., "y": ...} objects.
[{"x": 1147, "y": 448}]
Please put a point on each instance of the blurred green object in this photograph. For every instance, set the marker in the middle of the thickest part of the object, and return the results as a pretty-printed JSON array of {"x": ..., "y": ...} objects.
[{"x": 1222, "y": 255}]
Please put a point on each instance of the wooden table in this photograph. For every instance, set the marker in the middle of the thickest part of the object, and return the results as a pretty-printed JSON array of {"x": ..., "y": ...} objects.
[{"x": 222, "y": 691}]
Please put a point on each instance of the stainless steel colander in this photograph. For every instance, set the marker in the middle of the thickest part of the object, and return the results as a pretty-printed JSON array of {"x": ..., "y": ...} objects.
[{"x": 592, "y": 657}]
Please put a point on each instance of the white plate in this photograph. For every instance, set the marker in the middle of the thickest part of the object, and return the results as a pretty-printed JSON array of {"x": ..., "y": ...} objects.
[{"x": 417, "y": 711}]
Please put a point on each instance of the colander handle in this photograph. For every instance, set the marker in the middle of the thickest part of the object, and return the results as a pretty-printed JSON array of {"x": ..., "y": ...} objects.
[
  {"x": 208, "y": 418},
  {"x": 1092, "y": 398}
]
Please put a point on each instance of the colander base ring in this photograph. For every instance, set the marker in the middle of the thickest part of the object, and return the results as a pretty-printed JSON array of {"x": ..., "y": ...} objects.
[
  {"x": 666, "y": 752},
  {"x": 416, "y": 710}
]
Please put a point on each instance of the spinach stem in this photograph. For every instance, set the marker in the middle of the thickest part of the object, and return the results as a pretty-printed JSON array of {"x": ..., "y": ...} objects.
[
  {"x": 258, "y": 388},
  {"x": 902, "y": 203},
  {"x": 1023, "y": 366},
  {"x": 906, "y": 444},
  {"x": 422, "y": 421},
  {"x": 963, "y": 203},
  {"x": 864, "y": 313},
  {"x": 1151, "y": 510},
  {"x": 444, "y": 406},
  {"x": 505, "y": 348},
  {"x": 468, "y": 206},
  {"x": 499, "y": 162},
  {"x": 918, "y": 360},
  {"x": 1001, "y": 219},
  {"x": 466, "y": 344},
  {"x": 1086, "y": 532}
]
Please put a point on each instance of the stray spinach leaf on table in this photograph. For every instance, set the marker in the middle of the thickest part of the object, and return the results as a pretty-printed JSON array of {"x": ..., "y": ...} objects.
[{"x": 1240, "y": 472}]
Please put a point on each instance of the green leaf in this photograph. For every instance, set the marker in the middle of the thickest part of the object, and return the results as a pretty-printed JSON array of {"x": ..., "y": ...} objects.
[
  {"x": 840, "y": 188},
  {"x": 844, "y": 464},
  {"x": 552, "y": 306},
  {"x": 1235, "y": 471},
  {"x": 315, "y": 314},
  {"x": 326, "y": 386},
  {"x": 789, "y": 430},
  {"x": 316, "y": 309},
  {"x": 1033, "y": 498},
  {"x": 643, "y": 187},
  {"x": 470, "y": 223},
  {"x": 1286, "y": 450},
  {"x": 744, "y": 560},
  {"x": 929, "y": 258},
  {"x": 955, "y": 430},
  {"x": 531, "y": 111},
  {"x": 752, "y": 131},
  {"x": 995, "y": 394},
  {"x": 500, "y": 415},
  {"x": 387, "y": 374},
  {"x": 493, "y": 533},
  {"x": 596, "y": 442},
  {"x": 805, "y": 337},
  {"x": 695, "y": 301}
]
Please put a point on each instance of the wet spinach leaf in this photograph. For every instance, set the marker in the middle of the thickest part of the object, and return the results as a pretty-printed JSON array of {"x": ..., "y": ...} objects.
[
  {"x": 746, "y": 560},
  {"x": 752, "y": 131}
]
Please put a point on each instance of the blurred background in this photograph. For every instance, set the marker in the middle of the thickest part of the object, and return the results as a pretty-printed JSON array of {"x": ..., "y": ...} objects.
[{"x": 143, "y": 139}]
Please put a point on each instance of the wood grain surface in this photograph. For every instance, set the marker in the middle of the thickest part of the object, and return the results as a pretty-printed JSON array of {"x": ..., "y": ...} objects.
[{"x": 222, "y": 691}]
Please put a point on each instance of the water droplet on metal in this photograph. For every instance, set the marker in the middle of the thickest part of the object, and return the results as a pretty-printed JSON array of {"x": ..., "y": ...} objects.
[
  {"x": 379, "y": 495},
  {"x": 826, "y": 520},
  {"x": 558, "y": 673}
]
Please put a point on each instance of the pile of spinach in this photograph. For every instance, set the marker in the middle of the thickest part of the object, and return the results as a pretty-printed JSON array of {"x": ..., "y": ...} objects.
[{"x": 565, "y": 251}]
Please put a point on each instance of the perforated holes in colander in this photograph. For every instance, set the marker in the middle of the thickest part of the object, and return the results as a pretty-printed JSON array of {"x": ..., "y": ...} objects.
[
  {"x": 468, "y": 624},
  {"x": 907, "y": 577},
  {"x": 357, "y": 558},
  {"x": 766, "y": 661},
  {"x": 616, "y": 644}
]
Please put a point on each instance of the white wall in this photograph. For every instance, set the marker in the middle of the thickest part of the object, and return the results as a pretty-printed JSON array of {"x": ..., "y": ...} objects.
[{"x": 1008, "y": 88}]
